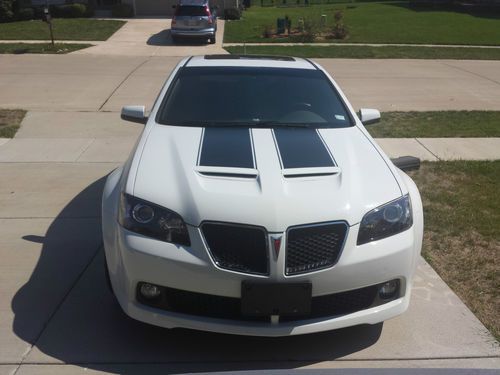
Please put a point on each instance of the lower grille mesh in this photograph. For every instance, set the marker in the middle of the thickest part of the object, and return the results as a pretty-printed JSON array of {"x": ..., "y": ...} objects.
[{"x": 191, "y": 303}]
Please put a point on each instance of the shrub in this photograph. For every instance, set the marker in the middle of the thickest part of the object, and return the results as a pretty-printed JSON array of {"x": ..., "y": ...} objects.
[
  {"x": 122, "y": 10},
  {"x": 38, "y": 12},
  {"x": 6, "y": 10},
  {"x": 268, "y": 32},
  {"x": 310, "y": 30},
  {"x": 25, "y": 14},
  {"x": 339, "y": 30},
  {"x": 68, "y": 10},
  {"x": 232, "y": 14},
  {"x": 90, "y": 9},
  {"x": 288, "y": 24},
  {"x": 77, "y": 10}
]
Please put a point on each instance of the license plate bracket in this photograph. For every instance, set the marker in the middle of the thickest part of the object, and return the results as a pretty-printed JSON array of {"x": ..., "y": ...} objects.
[{"x": 284, "y": 299}]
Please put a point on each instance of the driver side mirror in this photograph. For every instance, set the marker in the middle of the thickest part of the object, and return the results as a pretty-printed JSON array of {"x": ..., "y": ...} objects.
[
  {"x": 369, "y": 116},
  {"x": 134, "y": 113}
]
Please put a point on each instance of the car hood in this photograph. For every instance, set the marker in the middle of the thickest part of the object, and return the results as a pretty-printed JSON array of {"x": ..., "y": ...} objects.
[{"x": 272, "y": 178}]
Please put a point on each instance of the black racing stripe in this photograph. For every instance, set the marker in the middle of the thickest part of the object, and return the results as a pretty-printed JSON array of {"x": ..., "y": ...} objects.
[
  {"x": 302, "y": 148},
  {"x": 227, "y": 147}
]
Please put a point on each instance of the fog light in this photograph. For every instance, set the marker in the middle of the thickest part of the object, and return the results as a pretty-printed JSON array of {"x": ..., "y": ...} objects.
[
  {"x": 388, "y": 289},
  {"x": 150, "y": 291}
]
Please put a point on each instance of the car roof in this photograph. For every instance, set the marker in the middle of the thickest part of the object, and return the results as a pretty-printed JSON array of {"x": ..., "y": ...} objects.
[{"x": 250, "y": 61}]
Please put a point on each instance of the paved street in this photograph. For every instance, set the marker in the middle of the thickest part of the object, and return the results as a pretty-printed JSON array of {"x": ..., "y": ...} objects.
[
  {"x": 56, "y": 315},
  {"x": 105, "y": 83}
]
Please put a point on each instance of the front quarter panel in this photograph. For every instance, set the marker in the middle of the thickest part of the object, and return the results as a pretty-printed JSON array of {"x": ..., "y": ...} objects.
[
  {"x": 135, "y": 157},
  {"x": 110, "y": 202},
  {"x": 363, "y": 130},
  {"x": 418, "y": 213}
]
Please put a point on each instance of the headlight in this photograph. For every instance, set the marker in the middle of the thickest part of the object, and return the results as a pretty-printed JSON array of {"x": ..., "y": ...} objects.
[
  {"x": 151, "y": 220},
  {"x": 387, "y": 220}
]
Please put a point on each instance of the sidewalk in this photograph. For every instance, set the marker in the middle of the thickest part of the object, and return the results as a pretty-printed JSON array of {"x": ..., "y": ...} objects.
[
  {"x": 437, "y": 149},
  {"x": 95, "y": 42},
  {"x": 26, "y": 149},
  {"x": 360, "y": 44},
  {"x": 137, "y": 21}
]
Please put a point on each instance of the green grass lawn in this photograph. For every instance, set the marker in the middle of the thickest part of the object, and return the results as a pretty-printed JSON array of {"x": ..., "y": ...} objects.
[
  {"x": 64, "y": 29},
  {"x": 58, "y": 48},
  {"x": 366, "y": 52},
  {"x": 10, "y": 119},
  {"x": 439, "y": 124},
  {"x": 376, "y": 23},
  {"x": 462, "y": 231}
]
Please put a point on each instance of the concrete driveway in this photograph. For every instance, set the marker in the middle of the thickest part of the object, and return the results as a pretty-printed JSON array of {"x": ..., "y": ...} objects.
[
  {"x": 151, "y": 37},
  {"x": 56, "y": 315},
  {"x": 56, "y": 307}
]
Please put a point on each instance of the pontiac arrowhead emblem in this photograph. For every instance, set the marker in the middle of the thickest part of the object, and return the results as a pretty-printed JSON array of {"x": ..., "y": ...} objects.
[{"x": 277, "y": 245}]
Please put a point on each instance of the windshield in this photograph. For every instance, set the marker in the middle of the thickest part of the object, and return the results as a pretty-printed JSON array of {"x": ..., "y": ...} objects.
[
  {"x": 254, "y": 97},
  {"x": 191, "y": 10}
]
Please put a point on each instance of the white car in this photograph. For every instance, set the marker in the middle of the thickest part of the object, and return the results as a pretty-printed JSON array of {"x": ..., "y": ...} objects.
[{"x": 256, "y": 203}]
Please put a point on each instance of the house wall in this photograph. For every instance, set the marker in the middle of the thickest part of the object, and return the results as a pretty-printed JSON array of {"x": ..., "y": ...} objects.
[
  {"x": 44, "y": 2},
  {"x": 151, "y": 7},
  {"x": 154, "y": 7},
  {"x": 164, "y": 7}
]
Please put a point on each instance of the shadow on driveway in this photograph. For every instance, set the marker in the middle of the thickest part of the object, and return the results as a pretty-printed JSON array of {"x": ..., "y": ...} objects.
[
  {"x": 163, "y": 38},
  {"x": 84, "y": 325}
]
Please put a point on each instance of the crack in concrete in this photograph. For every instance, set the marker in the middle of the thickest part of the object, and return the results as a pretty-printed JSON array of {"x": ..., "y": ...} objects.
[
  {"x": 85, "y": 150},
  {"x": 65, "y": 297},
  {"x": 433, "y": 154},
  {"x": 122, "y": 82},
  {"x": 389, "y": 359},
  {"x": 473, "y": 73}
]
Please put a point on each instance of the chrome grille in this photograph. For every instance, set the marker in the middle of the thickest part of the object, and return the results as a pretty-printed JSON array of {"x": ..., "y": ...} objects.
[{"x": 236, "y": 247}]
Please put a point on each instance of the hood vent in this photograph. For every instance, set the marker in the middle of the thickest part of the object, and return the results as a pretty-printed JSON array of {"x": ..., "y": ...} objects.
[
  {"x": 310, "y": 172},
  {"x": 249, "y": 173}
]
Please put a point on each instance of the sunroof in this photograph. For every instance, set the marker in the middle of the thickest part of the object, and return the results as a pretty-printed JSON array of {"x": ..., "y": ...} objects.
[{"x": 248, "y": 57}]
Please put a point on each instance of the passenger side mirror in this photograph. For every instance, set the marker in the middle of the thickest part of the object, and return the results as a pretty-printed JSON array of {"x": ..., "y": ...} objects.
[
  {"x": 369, "y": 116},
  {"x": 134, "y": 113}
]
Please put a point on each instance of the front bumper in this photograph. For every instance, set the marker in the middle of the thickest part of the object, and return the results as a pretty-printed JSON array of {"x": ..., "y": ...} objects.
[
  {"x": 134, "y": 258},
  {"x": 172, "y": 320}
]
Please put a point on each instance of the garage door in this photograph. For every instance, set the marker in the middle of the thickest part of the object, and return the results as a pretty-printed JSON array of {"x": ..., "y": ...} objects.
[{"x": 154, "y": 7}]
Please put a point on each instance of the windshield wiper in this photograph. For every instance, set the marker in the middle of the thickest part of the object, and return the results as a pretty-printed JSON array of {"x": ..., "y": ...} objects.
[
  {"x": 274, "y": 124},
  {"x": 204, "y": 124},
  {"x": 256, "y": 124}
]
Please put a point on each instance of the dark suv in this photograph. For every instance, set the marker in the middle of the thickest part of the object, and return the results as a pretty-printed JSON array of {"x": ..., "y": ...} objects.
[{"x": 194, "y": 18}]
